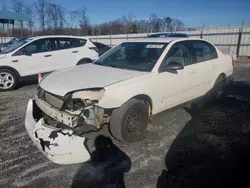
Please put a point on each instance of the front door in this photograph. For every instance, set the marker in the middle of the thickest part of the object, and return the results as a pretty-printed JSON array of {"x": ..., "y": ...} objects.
[
  {"x": 176, "y": 86},
  {"x": 34, "y": 58}
]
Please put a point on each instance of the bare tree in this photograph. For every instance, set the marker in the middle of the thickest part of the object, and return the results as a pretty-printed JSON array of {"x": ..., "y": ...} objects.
[
  {"x": 40, "y": 6},
  {"x": 28, "y": 10},
  {"x": 83, "y": 20},
  {"x": 72, "y": 17},
  {"x": 152, "y": 22},
  {"x": 168, "y": 21},
  {"x": 177, "y": 25},
  {"x": 55, "y": 18},
  {"x": 127, "y": 21},
  {"x": 5, "y": 4},
  {"x": 61, "y": 15},
  {"x": 18, "y": 6},
  {"x": 143, "y": 25}
]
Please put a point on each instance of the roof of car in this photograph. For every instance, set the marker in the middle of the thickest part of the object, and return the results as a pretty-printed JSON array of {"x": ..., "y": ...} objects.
[
  {"x": 56, "y": 36},
  {"x": 168, "y": 33},
  {"x": 160, "y": 40}
]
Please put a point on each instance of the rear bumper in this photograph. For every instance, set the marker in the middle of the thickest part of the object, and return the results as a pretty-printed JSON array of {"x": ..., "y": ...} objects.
[{"x": 59, "y": 145}]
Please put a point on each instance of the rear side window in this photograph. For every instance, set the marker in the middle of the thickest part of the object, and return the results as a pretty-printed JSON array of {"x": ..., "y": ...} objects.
[
  {"x": 79, "y": 42},
  {"x": 62, "y": 43},
  {"x": 203, "y": 51}
]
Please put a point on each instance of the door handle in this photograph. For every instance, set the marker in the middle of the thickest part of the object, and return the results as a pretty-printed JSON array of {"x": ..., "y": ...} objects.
[
  {"x": 214, "y": 66},
  {"x": 14, "y": 61},
  {"x": 74, "y": 51},
  {"x": 192, "y": 72},
  {"x": 47, "y": 55}
]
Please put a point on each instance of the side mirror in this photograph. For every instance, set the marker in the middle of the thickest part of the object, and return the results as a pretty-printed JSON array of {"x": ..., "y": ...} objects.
[{"x": 173, "y": 65}]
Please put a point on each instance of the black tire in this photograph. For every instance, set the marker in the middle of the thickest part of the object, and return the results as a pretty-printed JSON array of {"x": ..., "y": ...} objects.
[
  {"x": 84, "y": 61},
  {"x": 14, "y": 78},
  {"x": 219, "y": 87},
  {"x": 133, "y": 110}
]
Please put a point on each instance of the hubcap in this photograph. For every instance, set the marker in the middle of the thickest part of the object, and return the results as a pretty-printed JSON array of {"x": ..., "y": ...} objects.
[
  {"x": 134, "y": 121},
  {"x": 6, "y": 80}
]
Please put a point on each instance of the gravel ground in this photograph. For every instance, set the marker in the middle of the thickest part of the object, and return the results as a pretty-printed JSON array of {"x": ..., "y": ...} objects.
[{"x": 183, "y": 147}]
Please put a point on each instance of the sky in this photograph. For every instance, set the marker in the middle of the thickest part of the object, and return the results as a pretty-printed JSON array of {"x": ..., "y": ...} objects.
[{"x": 193, "y": 13}]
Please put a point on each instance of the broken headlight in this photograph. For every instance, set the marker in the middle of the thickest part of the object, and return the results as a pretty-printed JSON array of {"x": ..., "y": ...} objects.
[
  {"x": 92, "y": 94},
  {"x": 81, "y": 99}
]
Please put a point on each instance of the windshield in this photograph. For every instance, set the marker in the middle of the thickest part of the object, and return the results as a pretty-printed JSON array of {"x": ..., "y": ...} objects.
[
  {"x": 14, "y": 46},
  {"x": 12, "y": 41},
  {"x": 140, "y": 56}
]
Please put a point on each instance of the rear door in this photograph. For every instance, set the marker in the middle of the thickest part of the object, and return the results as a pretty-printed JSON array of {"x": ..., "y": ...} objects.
[
  {"x": 204, "y": 66},
  {"x": 63, "y": 52}
]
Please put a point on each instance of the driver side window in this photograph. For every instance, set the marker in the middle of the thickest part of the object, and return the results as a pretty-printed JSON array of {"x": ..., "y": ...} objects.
[
  {"x": 178, "y": 53},
  {"x": 38, "y": 46}
]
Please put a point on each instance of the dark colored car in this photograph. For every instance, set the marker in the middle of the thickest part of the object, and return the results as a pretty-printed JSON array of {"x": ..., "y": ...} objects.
[
  {"x": 164, "y": 35},
  {"x": 102, "y": 48},
  {"x": 7, "y": 44}
]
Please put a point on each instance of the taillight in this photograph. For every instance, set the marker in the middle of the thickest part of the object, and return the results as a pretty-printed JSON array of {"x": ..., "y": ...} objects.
[
  {"x": 0, "y": 49},
  {"x": 94, "y": 48}
]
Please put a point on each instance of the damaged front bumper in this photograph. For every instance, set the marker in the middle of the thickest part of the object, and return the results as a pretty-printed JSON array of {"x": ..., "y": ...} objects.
[{"x": 59, "y": 145}]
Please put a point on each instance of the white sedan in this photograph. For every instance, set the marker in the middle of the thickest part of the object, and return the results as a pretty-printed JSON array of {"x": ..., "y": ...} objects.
[
  {"x": 43, "y": 54},
  {"x": 124, "y": 88}
]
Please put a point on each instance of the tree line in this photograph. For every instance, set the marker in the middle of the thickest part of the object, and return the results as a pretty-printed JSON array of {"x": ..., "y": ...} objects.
[{"x": 50, "y": 18}]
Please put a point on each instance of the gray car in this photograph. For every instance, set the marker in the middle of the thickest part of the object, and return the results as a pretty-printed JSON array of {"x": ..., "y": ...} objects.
[{"x": 164, "y": 35}]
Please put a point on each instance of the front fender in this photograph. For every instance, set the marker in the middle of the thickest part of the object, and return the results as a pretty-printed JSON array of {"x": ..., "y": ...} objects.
[{"x": 116, "y": 95}]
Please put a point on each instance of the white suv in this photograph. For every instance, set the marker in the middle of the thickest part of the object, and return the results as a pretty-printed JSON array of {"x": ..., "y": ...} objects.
[{"x": 43, "y": 54}]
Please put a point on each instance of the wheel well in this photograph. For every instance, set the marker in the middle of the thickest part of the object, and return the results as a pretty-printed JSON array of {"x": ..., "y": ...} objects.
[
  {"x": 146, "y": 99},
  {"x": 224, "y": 77},
  {"x": 88, "y": 60},
  {"x": 11, "y": 69}
]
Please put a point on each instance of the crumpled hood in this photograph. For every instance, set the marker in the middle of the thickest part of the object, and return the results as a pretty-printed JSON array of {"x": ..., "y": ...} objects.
[{"x": 84, "y": 77}]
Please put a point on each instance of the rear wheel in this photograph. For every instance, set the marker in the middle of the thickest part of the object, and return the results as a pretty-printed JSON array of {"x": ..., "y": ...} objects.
[
  {"x": 219, "y": 87},
  {"x": 8, "y": 80},
  {"x": 129, "y": 122}
]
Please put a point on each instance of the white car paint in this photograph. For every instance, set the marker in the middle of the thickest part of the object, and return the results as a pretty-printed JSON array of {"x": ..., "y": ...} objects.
[
  {"x": 85, "y": 78},
  {"x": 165, "y": 89},
  {"x": 49, "y": 61}
]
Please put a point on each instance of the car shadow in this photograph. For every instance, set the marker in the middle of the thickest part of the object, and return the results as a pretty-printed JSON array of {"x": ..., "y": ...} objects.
[
  {"x": 106, "y": 167},
  {"x": 27, "y": 81},
  {"x": 213, "y": 149}
]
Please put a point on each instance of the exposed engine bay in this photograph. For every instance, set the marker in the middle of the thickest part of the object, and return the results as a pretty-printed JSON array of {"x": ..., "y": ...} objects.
[{"x": 74, "y": 111}]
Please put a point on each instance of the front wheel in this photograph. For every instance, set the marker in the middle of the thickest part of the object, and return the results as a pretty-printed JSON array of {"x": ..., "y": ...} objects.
[
  {"x": 84, "y": 61},
  {"x": 129, "y": 122},
  {"x": 8, "y": 80}
]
